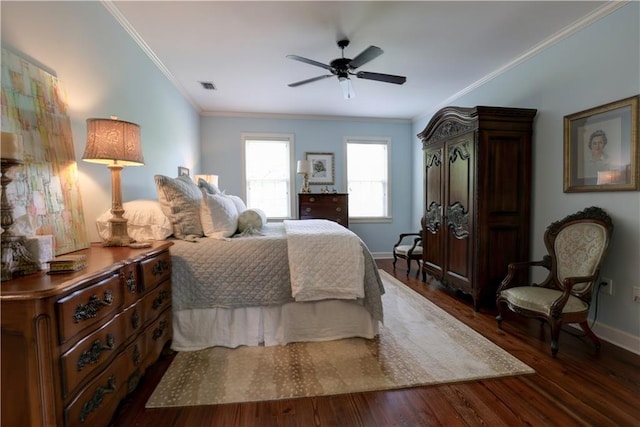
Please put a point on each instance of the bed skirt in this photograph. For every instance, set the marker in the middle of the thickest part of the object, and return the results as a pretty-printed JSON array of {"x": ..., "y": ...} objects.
[{"x": 195, "y": 329}]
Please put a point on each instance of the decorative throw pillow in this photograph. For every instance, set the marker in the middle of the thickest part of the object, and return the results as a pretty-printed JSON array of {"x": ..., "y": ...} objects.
[
  {"x": 240, "y": 206},
  {"x": 180, "y": 199},
  {"x": 210, "y": 188},
  {"x": 219, "y": 216},
  {"x": 251, "y": 221},
  {"x": 145, "y": 221}
]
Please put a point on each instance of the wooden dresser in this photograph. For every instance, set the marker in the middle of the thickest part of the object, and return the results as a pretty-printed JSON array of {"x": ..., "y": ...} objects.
[
  {"x": 477, "y": 176},
  {"x": 332, "y": 206},
  {"x": 75, "y": 344}
]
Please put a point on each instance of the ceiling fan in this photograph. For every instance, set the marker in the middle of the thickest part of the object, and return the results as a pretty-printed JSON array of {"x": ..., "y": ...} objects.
[{"x": 343, "y": 68}]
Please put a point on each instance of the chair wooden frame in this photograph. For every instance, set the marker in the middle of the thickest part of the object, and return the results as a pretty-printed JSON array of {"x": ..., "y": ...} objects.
[
  {"x": 410, "y": 253},
  {"x": 516, "y": 277}
]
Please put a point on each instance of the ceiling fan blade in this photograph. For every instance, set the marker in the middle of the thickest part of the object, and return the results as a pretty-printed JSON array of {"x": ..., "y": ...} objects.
[
  {"x": 310, "y": 61},
  {"x": 387, "y": 78},
  {"x": 304, "y": 82},
  {"x": 365, "y": 56}
]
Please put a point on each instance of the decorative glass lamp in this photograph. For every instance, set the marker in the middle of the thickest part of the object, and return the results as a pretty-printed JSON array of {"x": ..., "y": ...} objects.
[
  {"x": 304, "y": 169},
  {"x": 210, "y": 179},
  {"x": 115, "y": 143},
  {"x": 16, "y": 260}
]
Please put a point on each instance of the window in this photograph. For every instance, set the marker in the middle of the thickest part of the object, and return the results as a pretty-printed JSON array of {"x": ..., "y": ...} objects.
[
  {"x": 267, "y": 173},
  {"x": 368, "y": 177}
]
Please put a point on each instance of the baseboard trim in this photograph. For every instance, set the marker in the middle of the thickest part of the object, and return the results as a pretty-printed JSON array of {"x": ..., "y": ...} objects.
[{"x": 615, "y": 336}]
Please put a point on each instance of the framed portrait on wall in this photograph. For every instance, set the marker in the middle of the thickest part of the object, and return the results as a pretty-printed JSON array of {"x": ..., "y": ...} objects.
[
  {"x": 183, "y": 171},
  {"x": 601, "y": 148},
  {"x": 322, "y": 168}
]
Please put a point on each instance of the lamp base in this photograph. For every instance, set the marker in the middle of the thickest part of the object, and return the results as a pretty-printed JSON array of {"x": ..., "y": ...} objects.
[
  {"x": 119, "y": 235},
  {"x": 16, "y": 259}
]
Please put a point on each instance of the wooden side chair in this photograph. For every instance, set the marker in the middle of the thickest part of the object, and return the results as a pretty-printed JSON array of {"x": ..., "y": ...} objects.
[
  {"x": 409, "y": 251},
  {"x": 576, "y": 247}
]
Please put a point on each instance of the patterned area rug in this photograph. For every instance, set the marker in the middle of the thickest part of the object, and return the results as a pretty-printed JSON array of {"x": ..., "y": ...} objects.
[{"x": 419, "y": 344}]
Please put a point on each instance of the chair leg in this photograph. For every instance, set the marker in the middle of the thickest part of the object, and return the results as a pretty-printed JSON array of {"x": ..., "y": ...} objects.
[
  {"x": 395, "y": 258},
  {"x": 587, "y": 330},
  {"x": 408, "y": 265},
  {"x": 555, "y": 335}
]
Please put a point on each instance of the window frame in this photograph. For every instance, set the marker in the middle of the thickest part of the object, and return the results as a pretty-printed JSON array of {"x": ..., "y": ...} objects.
[
  {"x": 268, "y": 136},
  {"x": 369, "y": 140}
]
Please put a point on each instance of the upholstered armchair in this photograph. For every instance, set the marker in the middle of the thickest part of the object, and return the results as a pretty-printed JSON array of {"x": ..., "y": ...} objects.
[
  {"x": 408, "y": 250},
  {"x": 576, "y": 247}
]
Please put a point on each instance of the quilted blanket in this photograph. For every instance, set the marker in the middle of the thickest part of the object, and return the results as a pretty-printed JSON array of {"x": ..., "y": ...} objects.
[
  {"x": 248, "y": 271},
  {"x": 325, "y": 260}
]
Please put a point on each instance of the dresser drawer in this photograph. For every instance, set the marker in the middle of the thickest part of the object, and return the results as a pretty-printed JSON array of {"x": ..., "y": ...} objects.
[
  {"x": 157, "y": 301},
  {"x": 96, "y": 403},
  {"x": 158, "y": 334},
  {"x": 155, "y": 270},
  {"x": 89, "y": 306},
  {"x": 90, "y": 354}
]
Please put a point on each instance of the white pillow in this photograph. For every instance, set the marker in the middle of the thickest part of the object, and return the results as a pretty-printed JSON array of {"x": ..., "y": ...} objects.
[
  {"x": 145, "y": 221},
  {"x": 240, "y": 206},
  {"x": 219, "y": 216},
  {"x": 180, "y": 199},
  {"x": 251, "y": 221}
]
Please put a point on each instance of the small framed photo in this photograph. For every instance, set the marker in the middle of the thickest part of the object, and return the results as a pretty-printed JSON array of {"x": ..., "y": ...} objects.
[
  {"x": 601, "y": 148},
  {"x": 322, "y": 168},
  {"x": 183, "y": 171}
]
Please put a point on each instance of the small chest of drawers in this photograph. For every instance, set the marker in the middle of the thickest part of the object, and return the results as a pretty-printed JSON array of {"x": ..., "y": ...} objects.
[
  {"x": 331, "y": 206},
  {"x": 75, "y": 344}
]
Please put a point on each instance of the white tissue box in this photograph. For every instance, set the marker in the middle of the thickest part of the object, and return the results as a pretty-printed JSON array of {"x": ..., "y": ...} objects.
[{"x": 41, "y": 249}]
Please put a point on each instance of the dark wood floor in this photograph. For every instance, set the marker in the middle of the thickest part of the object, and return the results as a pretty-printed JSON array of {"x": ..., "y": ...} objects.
[{"x": 578, "y": 388}]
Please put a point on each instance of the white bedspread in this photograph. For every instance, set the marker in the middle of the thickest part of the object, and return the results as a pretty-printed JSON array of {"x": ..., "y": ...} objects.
[{"x": 325, "y": 260}]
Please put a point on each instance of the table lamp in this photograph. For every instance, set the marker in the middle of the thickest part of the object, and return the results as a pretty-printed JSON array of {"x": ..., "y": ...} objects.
[
  {"x": 304, "y": 169},
  {"x": 115, "y": 143}
]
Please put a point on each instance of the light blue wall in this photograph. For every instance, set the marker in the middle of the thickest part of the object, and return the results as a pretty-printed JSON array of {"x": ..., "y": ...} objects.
[
  {"x": 222, "y": 155},
  {"x": 105, "y": 73},
  {"x": 597, "y": 65}
]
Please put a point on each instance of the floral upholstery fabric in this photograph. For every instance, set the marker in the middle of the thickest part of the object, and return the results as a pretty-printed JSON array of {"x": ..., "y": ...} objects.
[
  {"x": 579, "y": 248},
  {"x": 540, "y": 299}
]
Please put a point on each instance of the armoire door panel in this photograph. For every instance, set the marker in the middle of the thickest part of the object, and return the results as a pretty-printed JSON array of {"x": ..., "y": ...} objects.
[
  {"x": 504, "y": 179},
  {"x": 458, "y": 255}
]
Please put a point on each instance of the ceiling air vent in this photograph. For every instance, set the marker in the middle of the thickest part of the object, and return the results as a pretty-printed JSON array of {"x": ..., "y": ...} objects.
[{"x": 208, "y": 85}]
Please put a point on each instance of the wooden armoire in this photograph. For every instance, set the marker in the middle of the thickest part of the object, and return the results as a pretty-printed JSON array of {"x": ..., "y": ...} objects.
[{"x": 477, "y": 183}]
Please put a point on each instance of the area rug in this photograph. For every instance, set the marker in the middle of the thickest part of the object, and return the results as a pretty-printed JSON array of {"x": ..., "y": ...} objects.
[{"x": 419, "y": 344}]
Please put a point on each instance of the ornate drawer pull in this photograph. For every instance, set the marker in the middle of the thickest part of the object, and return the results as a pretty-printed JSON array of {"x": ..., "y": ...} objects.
[
  {"x": 338, "y": 209},
  {"x": 133, "y": 381},
  {"x": 312, "y": 199},
  {"x": 136, "y": 355},
  {"x": 160, "y": 267},
  {"x": 157, "y": 332},
  {"x": 130, "y": 282},
  {"x": 135, "y": 319},
  {"x": 335, "y": 199},
  {"x": 162, "y": 296},
  {"x": 89, "y": 310},
  {"x": 95, "y": 402},
  {"x": 92, "y": 355},
  {"x": 338, "y": 220},
  {"x": 308, "y": 210}
]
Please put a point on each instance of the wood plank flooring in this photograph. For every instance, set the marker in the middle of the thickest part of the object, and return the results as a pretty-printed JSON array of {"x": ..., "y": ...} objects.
[{"x": 579, "y": 388}]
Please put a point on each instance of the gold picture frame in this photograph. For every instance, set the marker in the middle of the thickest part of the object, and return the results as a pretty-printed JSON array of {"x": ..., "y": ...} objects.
[
  {"x": 322, "y": 168},
  {"x": 601, "y": 148}
]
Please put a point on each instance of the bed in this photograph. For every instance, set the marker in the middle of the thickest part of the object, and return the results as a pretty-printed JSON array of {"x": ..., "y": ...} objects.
[
  {"x": 240, "y": 280},
  {"x": 238, "y": 291}
]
